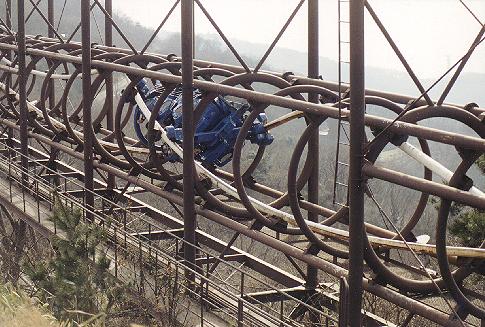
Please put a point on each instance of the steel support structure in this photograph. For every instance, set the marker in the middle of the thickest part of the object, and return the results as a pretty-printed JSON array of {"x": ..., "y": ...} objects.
[
  {"x": 24, "y": 114},
  {"x": 314, "y": 144},
  {"x": 8, "y": 55},
  {"x": 323, "y": 265},
  {"x": 187, "y": 35},
  {"x": 356, "y": 155},
  {"x": 50, "y": 33},
  {"x": 52, "y": 90},
  {"x": 108, "y": 39},
  {"x": 87, "y": 102},
  {"x": 403, "y": 128},
  {"x": 113, "y": 148},
  {"x": 8, "y": 14}
]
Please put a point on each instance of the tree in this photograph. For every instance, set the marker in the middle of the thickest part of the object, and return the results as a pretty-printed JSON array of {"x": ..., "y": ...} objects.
[
  {"x": 467, "y": 224},
  {"x": 481, "y": 163},
  {"x": 469, "y": 228},
  {"x": 70, "y": 280}
]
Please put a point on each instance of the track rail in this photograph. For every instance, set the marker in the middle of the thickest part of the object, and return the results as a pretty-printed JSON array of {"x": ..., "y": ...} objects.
[{"x": 42, "y": 99}]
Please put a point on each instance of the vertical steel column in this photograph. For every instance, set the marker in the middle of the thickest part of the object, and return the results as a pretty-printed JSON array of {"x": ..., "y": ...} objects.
[
  {"x": 52, "y": 91},
  {"x": 343, "y": 303},
  {"x": 50, "y": 33},
  {"x": 313, "y": 144},
  {"x": 50, "y": 17},
  {"x": 8, "y": 56},
  {"x": 108, "y": 36},
  {"x": 8, "y": 13},
  {"x": 24, "y": 114},
  {"x": 193, "y": 35},
  {"x": 87, "y": 102},
  {"x": 356, "y": 182},
  {"x": 187, "y": 36}
]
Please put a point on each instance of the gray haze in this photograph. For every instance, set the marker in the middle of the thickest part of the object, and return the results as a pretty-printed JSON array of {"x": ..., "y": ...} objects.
[{"x": 432, "y": 34}]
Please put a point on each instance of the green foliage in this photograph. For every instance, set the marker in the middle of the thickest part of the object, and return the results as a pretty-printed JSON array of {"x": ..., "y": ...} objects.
[
  {"x": 481, "y": 163},
  {"x": 469, "y": 228},
  {"x": 455, "y": 208},
  {"x": 71, "y": 282},
  {"x": 468, "y": 225}
]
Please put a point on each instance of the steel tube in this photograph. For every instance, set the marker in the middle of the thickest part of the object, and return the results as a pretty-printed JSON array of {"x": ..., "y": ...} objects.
[
  {"x": 433, "y": 165},
  {"x": 311, "y": 109},
  {"x": 187, "y": 36},
  {"x": 334, "y": 86},
  {"x": 8, "y": 13},
  {"x": 87, "y": 102},
  {"x": 108, "y": 39},
  {"x": 398, "y": 53},
  {"x": 24, "y": 114},
  {"x": 8, "y": 56},
  {"x": 313, "y": 144},
  {"x": 51, "y": 83},
  {"x": 356, "y": 156},
  {"x": 339, "y": 234},
  {"x": 50, "y": 32},
  {"x": 372, "y": 287},
  {"x": 451, "y": 139},
  {"x": 462, "y": 65},
  {"x": 401, "y": 128},
  {"x": 419, "y": 184}
]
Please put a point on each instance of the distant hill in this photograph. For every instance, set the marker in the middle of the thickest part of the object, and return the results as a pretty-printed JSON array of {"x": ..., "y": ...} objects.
[
  {"x": 469, "y": 86},
  {"x": 210, "y": 47}
]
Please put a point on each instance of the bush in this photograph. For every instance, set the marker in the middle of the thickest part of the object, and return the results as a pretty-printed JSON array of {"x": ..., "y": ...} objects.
[
  {"x": 469, "y": 228},
  {"x": 76, "y": 287},
  {"x": 481, "y": 163}
]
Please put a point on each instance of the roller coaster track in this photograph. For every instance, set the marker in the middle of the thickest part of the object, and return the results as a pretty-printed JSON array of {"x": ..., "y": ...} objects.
[{"x": 42, "y": 99}]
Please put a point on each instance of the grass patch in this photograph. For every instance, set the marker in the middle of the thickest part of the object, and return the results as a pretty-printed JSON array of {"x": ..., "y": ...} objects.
[{"x": 18, "y": 310}]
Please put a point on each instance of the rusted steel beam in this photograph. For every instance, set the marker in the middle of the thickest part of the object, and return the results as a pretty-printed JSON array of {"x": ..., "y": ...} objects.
[
  {"x": 401, "y": 128},
  {"x": 424, "y": 185},
  {"x": 230, "y": 257},
  {"x": 50, "y": 33},
  {"x": 109, "y": 103},
  {"x": 356, "y": 161},
  {"x": 275, "y": 296},
  {"x": 22, "y": 90},
  {"x": 314, "y": 142},
  {"x": 333, "y": 86},
  {"x": 27, "y": 219},
  {"x": 87, "y": 103},
  {"x": 159, "y": 235},
  {"x": 379, "y": 290},
  {"x": 256, "y": 264},
  {"x": 187, "y": 37}
]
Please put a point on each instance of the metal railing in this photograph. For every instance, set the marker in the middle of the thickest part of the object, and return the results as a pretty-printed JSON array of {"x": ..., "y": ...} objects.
[{"x": 146, "y": 260}]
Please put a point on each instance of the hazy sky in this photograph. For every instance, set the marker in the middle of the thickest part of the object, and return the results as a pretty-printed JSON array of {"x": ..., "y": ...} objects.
[{"x": 432, "y": 34}]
